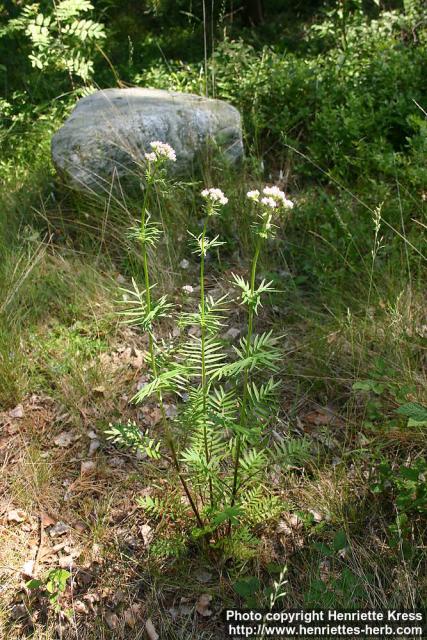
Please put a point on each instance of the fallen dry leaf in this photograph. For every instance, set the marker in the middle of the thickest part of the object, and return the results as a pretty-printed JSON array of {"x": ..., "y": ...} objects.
[
  {"x": 28, "y": 568},
  {"x": 323, "y": 416},
  {"x": 94, "y": 446},
  {"x": 59, "y": 529},
  {"x": 17, "y": 412},
  {"x": 112, "y": 620},
  {"x": 64, "y": 439},
  {"x": 147, "y": 534},
  {"x": 47, "y": 520},
  {"x": 66, "y": 562},
  {"x": 318, "y": 418},
  {"x": 132, "y": 614},
  {"x": 151, "y": 631},
  {"x": 80, "y": 607},
  {"x": 16, "y": 515},
  {"x": 202, "y": 605},
  {"x": 87, "y": 466}
]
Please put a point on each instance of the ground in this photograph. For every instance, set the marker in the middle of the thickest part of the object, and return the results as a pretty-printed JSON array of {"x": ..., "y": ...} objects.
[{"x": 70, "y": 498}]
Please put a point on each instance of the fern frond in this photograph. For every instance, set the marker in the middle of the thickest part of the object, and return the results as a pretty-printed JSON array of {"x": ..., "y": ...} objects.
[
  {"x": 172, "y": 547},
  {"x": 241, "y": 545},
  {"x": 155, "y": 507},
  {"x": 159, "y": 507},
  {"x": 223, "y": 404},
  {"x": 252, "y": 463},
  {"x": 67, "y": 9}
]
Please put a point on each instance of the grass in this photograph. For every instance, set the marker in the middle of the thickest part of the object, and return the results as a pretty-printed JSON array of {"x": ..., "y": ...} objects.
[{"x": 347, "y": 316}]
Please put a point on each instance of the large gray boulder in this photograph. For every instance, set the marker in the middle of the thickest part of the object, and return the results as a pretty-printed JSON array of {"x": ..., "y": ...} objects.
[{"x": 105, "y": 137}]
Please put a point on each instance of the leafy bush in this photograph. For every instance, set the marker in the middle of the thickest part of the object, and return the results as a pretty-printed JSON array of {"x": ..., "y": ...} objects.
[
  {"x": 349, "y": 104},
  {"x": 61, "y": 38}
]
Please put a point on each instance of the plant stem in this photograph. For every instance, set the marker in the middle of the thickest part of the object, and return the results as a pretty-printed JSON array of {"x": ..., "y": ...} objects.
[
  {"x": 203, "y": 347},
  {"x": 246, "y": 377},
  {"x": 167, "y": 431}
]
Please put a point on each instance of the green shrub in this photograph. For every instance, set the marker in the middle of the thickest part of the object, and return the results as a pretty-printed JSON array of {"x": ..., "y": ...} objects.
[{"x": 348, "y": 104}]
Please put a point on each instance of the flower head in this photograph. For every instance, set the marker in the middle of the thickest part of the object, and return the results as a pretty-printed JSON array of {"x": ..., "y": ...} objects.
[
  {"x": 253, "y": 195},
  {"x": 269, "y": 202},
  {"x": 214, "y": 196},
  {"x": 278, "y": 196},
  {"x": 160, "y": 151}
]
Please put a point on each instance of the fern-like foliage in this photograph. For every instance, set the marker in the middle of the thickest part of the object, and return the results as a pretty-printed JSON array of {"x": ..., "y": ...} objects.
[
  {"x": 147, "y": 234},
  {"x": 191, "y": 354},
  {"x": 171, "y": 547},
  {"x": 261, "y": 353},
  {"x": 202, "y": 244},
  {"x": 293, "y": 452},
  {"x": 252, "y": 299},
  {"x": 159, "y": 507},
  {"x": 242, "y": 545},
  {"x": 197, "y": 422},
  {"x": 135, "y": 311},
  {"x": 259, "y": 506},
  {"x": 214, "y": 316},
  {"x": 130, "y": 436},
  {"x": 262, "y": 399},
  {"x": 218, "y": 443},
  {"x": 172, "y": 379},
  {"x": 154, "y": 506},
  {"x": 223, "y": 406},
  {"x": 67, "y": 9},
  {"x": 252, "y": 465}
]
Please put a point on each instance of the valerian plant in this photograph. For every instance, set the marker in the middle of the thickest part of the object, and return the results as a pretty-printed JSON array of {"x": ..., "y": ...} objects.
[{"x": 218, "y": 442}]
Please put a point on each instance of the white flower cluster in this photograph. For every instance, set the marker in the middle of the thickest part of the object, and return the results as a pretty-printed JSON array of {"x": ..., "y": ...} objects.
[
  {"x": 161, "y": 151},
  {"x": 215, "y": 196},
  {"x": 253, "y": 195},
  {"x": 269, "y": 202},
  {"x": 273, "y": 197}
]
